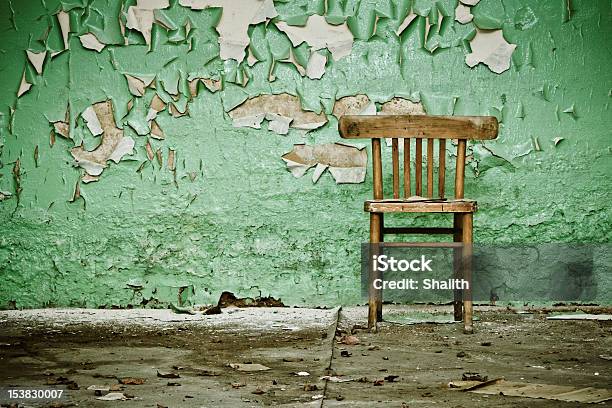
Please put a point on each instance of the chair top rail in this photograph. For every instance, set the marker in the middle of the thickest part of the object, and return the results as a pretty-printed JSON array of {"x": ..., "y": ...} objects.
[{"x": 418, "y": 126}]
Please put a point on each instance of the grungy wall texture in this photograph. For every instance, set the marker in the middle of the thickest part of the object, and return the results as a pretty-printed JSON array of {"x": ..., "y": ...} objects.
[{"x": 132, "y": 172}]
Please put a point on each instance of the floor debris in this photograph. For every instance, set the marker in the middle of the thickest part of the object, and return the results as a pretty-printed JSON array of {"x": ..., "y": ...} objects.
[
  {"x": 406, "y": 362},
  {"x": 228, "y": 299},
  {"x": 249, "y": 367},
  {"x": 167, "y": 375},
  {"x": 132, "y": 381},
  {"x": 349, "y": 340},
  {"x": 581, "y": 316},
  {"x": 529, "y": 390},
  {"x": 113, "y": 396}
]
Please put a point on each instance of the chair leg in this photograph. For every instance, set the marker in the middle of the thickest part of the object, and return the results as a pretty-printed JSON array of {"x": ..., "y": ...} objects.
[
  {"x": 374, "y": 295},
  {"x": 466, "y": 238},
  {"x": 381, "y": 238},
  {"x": 457, "y": 301}
]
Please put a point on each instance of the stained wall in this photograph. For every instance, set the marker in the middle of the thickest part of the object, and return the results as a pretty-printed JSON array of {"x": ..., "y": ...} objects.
[{"x": 174, "y": 191}]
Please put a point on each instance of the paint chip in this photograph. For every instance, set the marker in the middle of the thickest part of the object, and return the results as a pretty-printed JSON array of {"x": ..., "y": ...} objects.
[
  {"x": 93, "y": 124},
  {"x": 490, "y": 48},
  {"x": 24, "y": 86},
  {"x": 86, "y": 178},
  {"x": 91, "y": 42},
  {"x": 141, "y": 19},
  {"x": 113, "y": 146},
  {"x": 37, "y": 59},
  {"x": 213, "y": 85},
  {"x": 64, "y": 21},
  {"x": 319, "y": 34},
  {"x": 157, "y": 105},
  {"x": 346, "y": 163},
  {"x": 411, "y": 16},
  {"x": 142, "y": 16},
  {"x": 571, "y": 111},
  {"x": 463, "y": 14},
  {"x": 316, "y": 65},
  {"x": 62, "y": 129},
  {"x": 156, "y": 131},
  {"x": 276, "y": 108},
  {"x": 138, "y": 84},
  {"x": 558, "y": 140}
]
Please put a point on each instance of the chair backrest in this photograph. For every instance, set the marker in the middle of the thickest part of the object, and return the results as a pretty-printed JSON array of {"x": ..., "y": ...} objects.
[{"x": 418, "y": 127}]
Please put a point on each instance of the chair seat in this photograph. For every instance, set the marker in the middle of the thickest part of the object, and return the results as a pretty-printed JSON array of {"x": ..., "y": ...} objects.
[{"x": 419, "y": 205}]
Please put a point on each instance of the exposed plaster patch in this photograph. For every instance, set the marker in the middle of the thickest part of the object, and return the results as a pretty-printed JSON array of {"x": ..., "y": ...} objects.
[
  {"x": 86, "y": 178},
  {"x": 138, "y": 84},
  {"x": 354, "y": 105},
  {"x": 142, "y": 16},
  {"x": 64, "y": 21},
  {"x": 24, "y": 86},
  {"x": 346, "y": 163},
  {"x": 157, "y": 105},
  {"x": 470, "y": 2},
  {"x": 37, "y": 59},
  {"x": 62, "y": 128},
  {"x": 319, "y": 34},
  {"x": 176, "y": 111},
  {"x": 316, "y": 65},
  {"x": 213, "y": 85},
  {"x": 91, "y": 118},
  {"x": 112, "y": 147},
  {"x": 282, "y": 108},
  {"x": 491, "y": 48},
  {"x": 235, "y": 20},
  {"x": 401, "y": 106},
  {"x": 149, "y": 150},
  {"x": 463, "y": 14},
  {"x": 152, "y": 4},
  {"x": 91, "y": 42},
  {"x": 411, "y": 16}
]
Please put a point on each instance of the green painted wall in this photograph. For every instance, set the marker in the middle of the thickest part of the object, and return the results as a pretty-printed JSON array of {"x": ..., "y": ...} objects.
[{"x": 231, "y": 217}]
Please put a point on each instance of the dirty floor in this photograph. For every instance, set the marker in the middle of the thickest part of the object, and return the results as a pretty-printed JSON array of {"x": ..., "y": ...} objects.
[{"x": 186, "y": 360}]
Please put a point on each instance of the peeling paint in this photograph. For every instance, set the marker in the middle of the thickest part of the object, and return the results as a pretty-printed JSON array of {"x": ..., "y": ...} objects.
[
  {"x": 182, "y": 77},
  {"x": 114, "y": 144},
  {"x": 346, "y": 163},
  {"x": 319, "y": 34},
  {"x": 282, "y": 109},
  {"x": 490, "y": 48},
  {"x": 234, "y": 22},
  {"x": 91, "y": 42}
]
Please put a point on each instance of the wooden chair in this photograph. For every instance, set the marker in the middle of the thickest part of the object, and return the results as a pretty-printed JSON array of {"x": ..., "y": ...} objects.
[{"x": 430, "y": 128}]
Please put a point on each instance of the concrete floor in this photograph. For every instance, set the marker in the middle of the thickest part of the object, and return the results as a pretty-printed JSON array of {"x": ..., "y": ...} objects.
[{"x": 99, "y": 347}]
